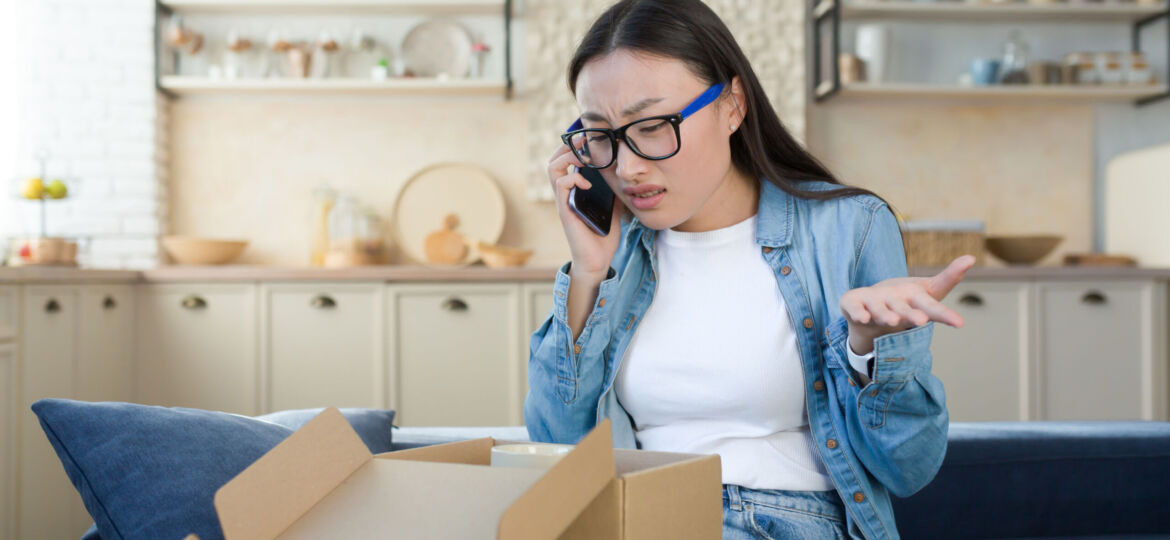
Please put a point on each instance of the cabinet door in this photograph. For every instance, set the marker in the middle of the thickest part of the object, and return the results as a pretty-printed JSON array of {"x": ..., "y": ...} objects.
[
  {"x": 49, "y": 506},
  {"x": 105, "y": 361},
  {"x": 984, "y": 366},
  {"x": 8, "y": 440},
  {"x": 537, "y": 304},
  {"x": 1102, "y": 350},
  {"x": 322, "y": 345},
  {"x": 196, "y": 347},
  {"x": 453, "y": 350},
  {"x": 8, "y": 304}
]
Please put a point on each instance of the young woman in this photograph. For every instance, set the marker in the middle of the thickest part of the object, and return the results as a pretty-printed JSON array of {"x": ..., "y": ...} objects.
[{"x": 744, "y": 303}]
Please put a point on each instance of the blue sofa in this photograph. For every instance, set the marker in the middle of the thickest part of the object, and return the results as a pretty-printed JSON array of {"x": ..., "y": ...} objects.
[{"x": 1085, "y": 480}]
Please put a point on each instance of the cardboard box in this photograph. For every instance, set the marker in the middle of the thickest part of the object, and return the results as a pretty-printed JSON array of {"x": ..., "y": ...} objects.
[{"x": 322, "y": 482}]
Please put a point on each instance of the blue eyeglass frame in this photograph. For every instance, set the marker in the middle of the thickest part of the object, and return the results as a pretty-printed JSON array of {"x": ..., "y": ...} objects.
[{"x": 704, "y": 99}]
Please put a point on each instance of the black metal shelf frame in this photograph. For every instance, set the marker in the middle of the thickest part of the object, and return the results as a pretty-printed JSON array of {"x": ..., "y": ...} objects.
[
  {"x": 162, "y": 10},
  {"x": 828, "y": 12}
]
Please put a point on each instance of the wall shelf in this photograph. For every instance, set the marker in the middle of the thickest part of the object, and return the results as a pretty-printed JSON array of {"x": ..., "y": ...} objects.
[
  {"x": 431, "y": 7},
  {"x": 1046, "y": 93},
  {"x": 824, "y": 24},
  {"x": 988, "y": 12},
  {"x": 428, "y": 87}
]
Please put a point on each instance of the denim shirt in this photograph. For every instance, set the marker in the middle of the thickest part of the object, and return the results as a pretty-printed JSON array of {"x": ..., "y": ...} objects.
[{"x": 886, "y": 437}]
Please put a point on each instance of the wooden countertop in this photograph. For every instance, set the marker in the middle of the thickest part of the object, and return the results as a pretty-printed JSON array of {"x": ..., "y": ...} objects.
[{"x": 476, "y": 273}]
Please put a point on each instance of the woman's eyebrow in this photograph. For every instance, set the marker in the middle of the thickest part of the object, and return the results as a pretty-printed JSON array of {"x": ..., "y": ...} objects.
[{"x": 630, "y": 111}]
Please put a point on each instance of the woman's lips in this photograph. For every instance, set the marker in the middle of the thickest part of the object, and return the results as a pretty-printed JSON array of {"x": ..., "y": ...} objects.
[{"x": 646, "y": 203}]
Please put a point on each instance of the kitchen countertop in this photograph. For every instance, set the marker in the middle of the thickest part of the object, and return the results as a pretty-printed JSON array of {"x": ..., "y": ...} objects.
[{"x": 475, "y": 273}]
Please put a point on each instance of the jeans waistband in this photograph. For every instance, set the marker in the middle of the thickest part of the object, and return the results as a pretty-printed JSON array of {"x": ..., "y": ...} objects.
[{"x": 824, "y": 503}]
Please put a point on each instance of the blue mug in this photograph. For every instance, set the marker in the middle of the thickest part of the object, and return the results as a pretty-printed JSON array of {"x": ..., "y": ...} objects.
[{"x": 984, "y": 71}]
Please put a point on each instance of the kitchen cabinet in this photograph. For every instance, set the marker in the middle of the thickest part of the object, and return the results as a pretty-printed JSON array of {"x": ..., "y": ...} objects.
[
  {"x": 1102, "y": 350},
  {"x": 8, "y": 440},
  {"x": 537, "y": 304},
  {"x": 454, "y": 353},
  {"x": 8, "y": 305},
  {"x": 105, "y": 354},
  {"x": 322, "y": 345},
  {"x": 196, "y": 346},
  {"x": 49, "y": 507},
  {"x": 985, "y": 366}
]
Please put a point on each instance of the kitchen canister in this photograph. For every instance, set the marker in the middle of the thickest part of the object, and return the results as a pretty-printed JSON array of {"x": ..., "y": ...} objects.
[{"x": 873, "y": 48}]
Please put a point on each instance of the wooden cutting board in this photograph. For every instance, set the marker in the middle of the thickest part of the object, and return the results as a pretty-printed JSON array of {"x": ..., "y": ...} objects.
[{"x": 1137, "y": 206}]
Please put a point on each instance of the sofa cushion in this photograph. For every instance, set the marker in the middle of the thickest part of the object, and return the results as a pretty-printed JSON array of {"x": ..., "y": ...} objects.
[{"x": 1045, "y": 480}]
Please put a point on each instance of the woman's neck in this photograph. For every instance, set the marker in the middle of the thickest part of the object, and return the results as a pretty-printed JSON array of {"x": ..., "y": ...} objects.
[{"x": 736, "y": 199}]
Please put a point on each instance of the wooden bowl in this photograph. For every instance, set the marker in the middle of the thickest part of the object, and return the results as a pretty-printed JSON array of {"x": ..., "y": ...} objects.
[
  {"x": 496, "y": 256},
  {"x": 194, "y": 250},
  {"x": 1022, "y": 249}
]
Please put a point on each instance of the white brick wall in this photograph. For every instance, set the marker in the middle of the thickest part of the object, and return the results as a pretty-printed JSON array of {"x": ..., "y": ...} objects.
[{"x": 88, "y": 97}]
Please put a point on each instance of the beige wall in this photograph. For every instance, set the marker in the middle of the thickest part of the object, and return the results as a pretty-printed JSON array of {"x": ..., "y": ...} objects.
[
  {"x": 1022, "y": 169},
  {"x": 247, "y": 167}
]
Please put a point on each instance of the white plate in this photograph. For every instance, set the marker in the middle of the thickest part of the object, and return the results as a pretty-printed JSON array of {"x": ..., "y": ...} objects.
[
  {"x": 437, "y": 46},
  {"x": 448, "y": 188}
]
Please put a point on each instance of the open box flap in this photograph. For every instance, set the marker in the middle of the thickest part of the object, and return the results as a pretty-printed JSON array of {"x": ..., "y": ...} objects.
[
  {"x": 280, "y": 487},
  {"x": 552, "y": 504}
]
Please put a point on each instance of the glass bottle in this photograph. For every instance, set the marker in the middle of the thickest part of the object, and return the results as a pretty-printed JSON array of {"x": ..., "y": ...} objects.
[
  {"x": 344, "y": 244},
  {"x": 323, "y": 201},
  {"x": 1015, "y": 60}
]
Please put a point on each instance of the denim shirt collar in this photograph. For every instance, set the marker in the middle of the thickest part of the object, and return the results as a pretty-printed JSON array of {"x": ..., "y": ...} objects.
[{"x": 773, "y": 225}]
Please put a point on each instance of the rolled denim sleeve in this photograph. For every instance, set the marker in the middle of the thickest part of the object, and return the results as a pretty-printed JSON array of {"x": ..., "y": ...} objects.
[
  {"x": 565, "y": 376},
  {"x": 898, "y": 420}
]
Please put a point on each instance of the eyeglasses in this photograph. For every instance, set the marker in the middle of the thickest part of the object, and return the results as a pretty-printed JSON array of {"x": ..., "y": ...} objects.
[{"x": 654, "y": 138}]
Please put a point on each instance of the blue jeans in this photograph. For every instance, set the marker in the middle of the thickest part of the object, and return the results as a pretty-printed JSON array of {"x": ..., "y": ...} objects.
[{"x": 774, "y": 514}]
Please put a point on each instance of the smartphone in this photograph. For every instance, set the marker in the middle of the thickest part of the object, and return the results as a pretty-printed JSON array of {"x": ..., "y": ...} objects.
[{"x": 594, "y": 205}]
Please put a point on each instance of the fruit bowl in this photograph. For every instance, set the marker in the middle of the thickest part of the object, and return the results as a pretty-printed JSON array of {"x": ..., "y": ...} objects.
[
  {"x": 195, "y": 250},
  {"x": 496, "y": 256},
  {"x": 1022, "y": 249}
]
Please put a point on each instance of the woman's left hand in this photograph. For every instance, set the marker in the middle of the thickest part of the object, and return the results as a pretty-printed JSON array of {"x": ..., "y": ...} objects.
[{"x": 899, "y": 304}]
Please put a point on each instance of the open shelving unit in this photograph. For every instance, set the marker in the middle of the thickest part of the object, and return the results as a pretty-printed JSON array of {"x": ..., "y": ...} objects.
[
  {"x": 826, "y": 15},
  {"x": 179, "y": 85}
]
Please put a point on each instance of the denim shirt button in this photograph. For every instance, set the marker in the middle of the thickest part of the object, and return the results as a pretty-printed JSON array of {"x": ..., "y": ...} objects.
[
  {"x": 808, "y": 323},
  {"x": 786, "y": 270},
  {"x": 859, "y": 497},
  {"x": 831, "y": 443},
  {"x": 576, "y": 349},
  {"x": 601, "y": 303},
  {"x": 819, "y": 385},
  {"x": 767, "y": 249}
]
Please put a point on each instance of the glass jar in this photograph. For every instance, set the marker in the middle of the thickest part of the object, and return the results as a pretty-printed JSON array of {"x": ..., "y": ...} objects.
[
  {"x": 323, "y": 201},
  {"x": 344, "y": 245},
  {"x": 372, "y": 241},
  {"x": 1109, "y": 68},
  {"x": 1015, "y": 60},
  {"x": 1137, "y": 69}
]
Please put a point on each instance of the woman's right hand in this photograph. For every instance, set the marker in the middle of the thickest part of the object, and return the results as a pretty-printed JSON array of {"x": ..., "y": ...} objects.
[{"x": 592, "y": 253}]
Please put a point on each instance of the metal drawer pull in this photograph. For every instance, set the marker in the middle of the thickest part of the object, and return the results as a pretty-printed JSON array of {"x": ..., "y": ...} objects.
[
  {"x": 52, "y": 306},
  {"x": 970, "y": 299},
  {"x": 1093, "y": 298},
  {"x": 322, "y": 301},
  {"x": 194, "y": 302},
  {"x": 109, "y": 303},
  {"x": 454, "y": 304}
]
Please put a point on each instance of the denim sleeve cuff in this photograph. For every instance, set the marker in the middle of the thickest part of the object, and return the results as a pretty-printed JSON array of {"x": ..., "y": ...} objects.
[
  {"x": 561, "y": 296},
  {"x": 902, "y": 354}
]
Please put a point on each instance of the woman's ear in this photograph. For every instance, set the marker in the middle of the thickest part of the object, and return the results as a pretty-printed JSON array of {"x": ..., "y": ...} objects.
[{"x": 738, "y": 111}]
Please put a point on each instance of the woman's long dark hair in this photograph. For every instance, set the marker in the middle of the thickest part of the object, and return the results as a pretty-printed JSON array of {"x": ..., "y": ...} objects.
[{"x": 687, "y": 30}]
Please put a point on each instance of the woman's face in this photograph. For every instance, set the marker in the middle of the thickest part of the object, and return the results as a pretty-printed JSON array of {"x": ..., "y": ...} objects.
[{"x": 624, "y": 86}]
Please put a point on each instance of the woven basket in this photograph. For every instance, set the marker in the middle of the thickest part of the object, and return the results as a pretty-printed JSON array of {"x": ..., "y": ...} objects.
[{"x": 939, "y": 243}]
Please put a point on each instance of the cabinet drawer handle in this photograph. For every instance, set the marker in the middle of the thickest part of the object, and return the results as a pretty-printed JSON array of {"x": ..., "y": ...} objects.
[
  {"x": 1094, "y": 298},
  {"x": 454, "y": 304},
  {"x": 109, "y": 303},
  {"x": 970, "y": 299},
  {"x": 52, "y": 306},
  {"x": 194, "y": 302},
  {"x": 322, "y": 301}
]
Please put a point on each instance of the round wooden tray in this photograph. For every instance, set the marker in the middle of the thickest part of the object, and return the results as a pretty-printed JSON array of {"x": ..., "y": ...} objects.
[{"x": 448, "y": 188}]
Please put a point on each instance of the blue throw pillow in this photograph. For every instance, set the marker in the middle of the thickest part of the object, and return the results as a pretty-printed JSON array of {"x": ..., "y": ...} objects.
[
  {"x": 152, "y": 472},
  {"x": 372, "y": 425}
]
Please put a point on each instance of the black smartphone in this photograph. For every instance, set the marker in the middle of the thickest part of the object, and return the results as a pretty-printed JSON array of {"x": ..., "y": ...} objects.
[{"x": 593, "y": 205}]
